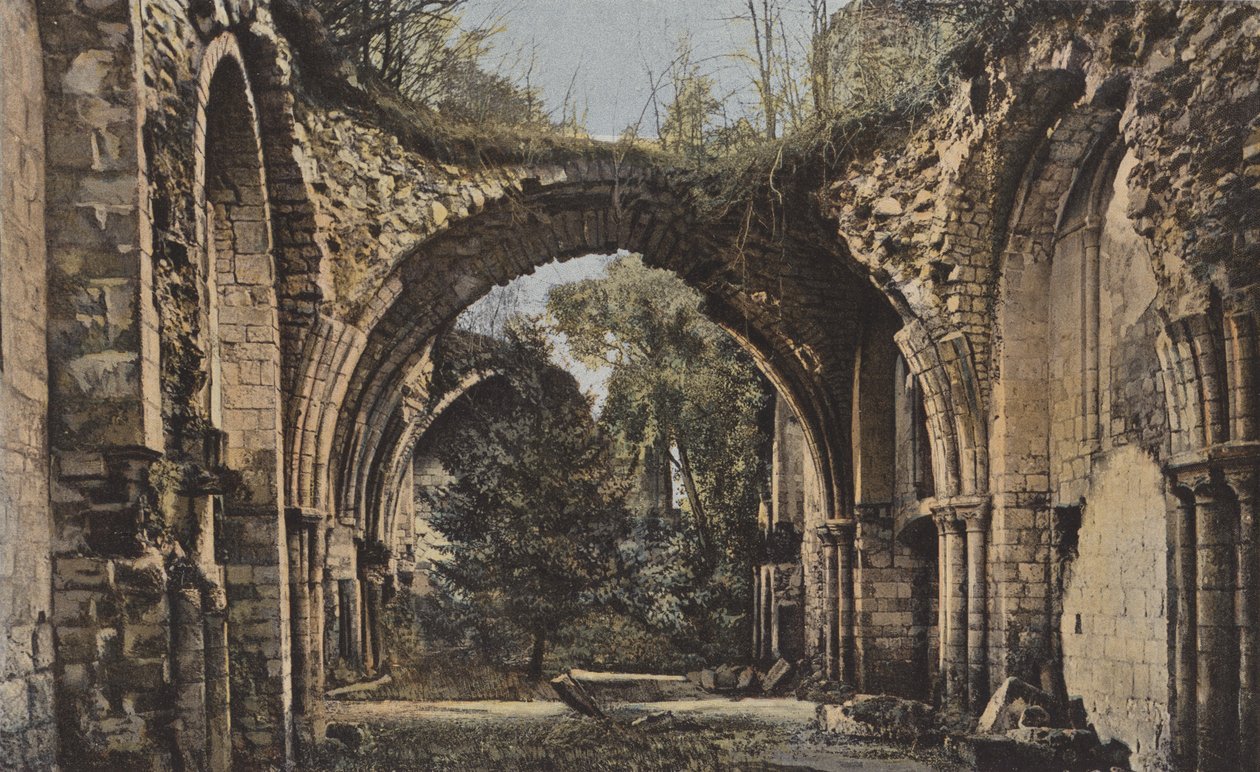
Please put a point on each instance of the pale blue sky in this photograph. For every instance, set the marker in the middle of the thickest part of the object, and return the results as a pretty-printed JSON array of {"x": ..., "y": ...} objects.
[
  {"x": 528, "y": 295},
  {"x": 611, "y": 43}
]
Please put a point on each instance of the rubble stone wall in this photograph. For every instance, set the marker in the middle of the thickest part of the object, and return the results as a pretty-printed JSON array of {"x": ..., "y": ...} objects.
[{"x": 27, "y": 733}]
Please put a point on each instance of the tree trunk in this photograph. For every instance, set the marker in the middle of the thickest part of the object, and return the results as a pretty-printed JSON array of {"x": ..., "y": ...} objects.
[
  {"x": 693, "y": 496},
  {"x": 536, "y": 656},
  {"x": 658, "y": 477}
]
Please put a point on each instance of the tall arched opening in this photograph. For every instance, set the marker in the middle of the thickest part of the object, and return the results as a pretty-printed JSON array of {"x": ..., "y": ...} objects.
[{"x": 242, "y": 541}]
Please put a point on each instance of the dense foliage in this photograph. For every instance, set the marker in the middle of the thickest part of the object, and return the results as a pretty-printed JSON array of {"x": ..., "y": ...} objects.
[
  {"x": 534, "y": 515},
  {"x": 679, "y": 389}
]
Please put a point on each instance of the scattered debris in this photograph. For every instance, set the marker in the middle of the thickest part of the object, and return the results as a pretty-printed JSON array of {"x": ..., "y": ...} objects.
[
  {"x": 351, "y": 736},
  {"x": 708, "y": 680},
  {"x": 1008, "y": 703},
  {"x": 748, "y": 680},
  {"x": 359, "y": 688},
  {"x": 661, "y": 718},
  {"x": 815, "y": 686},
  {"x": 1034, "y": 716},
  {"x": 1040, "y": 748},
  {"x": 734, "y": 678},
  {"x": 576, "y": 696},
  {"x": 726, "y": 678},
  {"x": 636, "y": 687},
  {"x": 776, "y": 676},
  {"x": 881, "y": 716}
]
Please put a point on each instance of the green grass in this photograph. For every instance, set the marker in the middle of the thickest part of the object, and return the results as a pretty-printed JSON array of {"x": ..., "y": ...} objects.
[{"x": 590, "y": 746}]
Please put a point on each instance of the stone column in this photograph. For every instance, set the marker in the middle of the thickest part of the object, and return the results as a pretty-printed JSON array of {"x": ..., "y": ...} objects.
[
  {"x": 1217, "y": 693},
  {"x": 756, "y": 614},
  {"x": 1185, "y": 642},
  {"x": 333, "y": 650},
  {"x": 844, "y": 603},
  {"x": 371, "y": 622},
  {"x": 1242, "y": 480},
  {"x": 351, "y": 622},
  {"x": 300, "y": 612},
  {"x": 770, "y": 577},
  {"x": 831, "y": 606},
  {"x": 942, "y": 605},
  {"x": 218, "y": 707},
  {"x": 976, "y": 522},
  {"x": 953, "y": 610},
  {"x": 189, "y": 666},
  {"x": 315, "y": 578},
  {"x": 1091, "y": 350}
]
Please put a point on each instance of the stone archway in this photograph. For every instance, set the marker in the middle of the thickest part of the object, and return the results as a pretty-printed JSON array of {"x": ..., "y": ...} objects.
[
  {"x": 1079, "y": 325},
  {"x": 573, "y": 216},
  {"x": 247, "y": 536}
]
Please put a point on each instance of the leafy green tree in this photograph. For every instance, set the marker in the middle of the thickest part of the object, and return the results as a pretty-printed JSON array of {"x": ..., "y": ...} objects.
[
  {"x": 680, "y": 392},
  {"x": 688, "y": 121},
  {"x": 535, "y": 513}
]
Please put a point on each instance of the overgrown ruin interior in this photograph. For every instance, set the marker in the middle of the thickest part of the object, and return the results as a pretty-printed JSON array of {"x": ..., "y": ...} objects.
[{"x": 1015, "y": 348}]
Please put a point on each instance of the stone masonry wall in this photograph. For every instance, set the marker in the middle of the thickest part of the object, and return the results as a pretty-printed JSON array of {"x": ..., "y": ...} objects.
[
  {"x": 1115, "y": 604},
  {"x": 1115, "y": 601},
  {"x": 428, "y": 475},
  {"x": 27, "y": 735},
  {"x": 889, "y": 590}
]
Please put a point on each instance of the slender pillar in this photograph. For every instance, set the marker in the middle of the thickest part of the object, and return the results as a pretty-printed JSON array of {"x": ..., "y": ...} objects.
[
  {"x": 351, "y": 622},
  {"x": 333, "y": 650},
  {"x": 1218, "y": 662},
  {"x": 772, "y": 611},
  {"x": 846, "y": 672},
  {"x": 1185, "y": 634},
  {"x": 317, "y": 620},
  {"x": 831, "y": 605},
  {"x": 189, "y": 671},
  {"x": 954, "y": 610},
  {"x": 371, "y": 629},
  {"x": 942, "y": 604},
  {"x": 300, "y": 603},
  {"x": 1090, "y": 349},
  {"x": 977, "y": 526},
  {"x": 1243, "y": 482},
  {"x": 756, "y": 614},
  {"x": 218, "y": 707}
]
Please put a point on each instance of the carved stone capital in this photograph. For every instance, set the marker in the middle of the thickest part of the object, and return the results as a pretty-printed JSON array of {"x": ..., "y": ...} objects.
[
  {"x": 837, "y": 532},
  {"x": 944, "y": 517},
  {"x": 304, "y": 516},
  {"x": 1198, "y": 467},
  {"x": 960, "y": 513}
]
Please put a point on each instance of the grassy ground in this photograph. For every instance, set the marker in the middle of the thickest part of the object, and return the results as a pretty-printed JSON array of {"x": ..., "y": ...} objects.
[
  {"x": 411, "y": 736},
  {"x": 453, "y": 676}
]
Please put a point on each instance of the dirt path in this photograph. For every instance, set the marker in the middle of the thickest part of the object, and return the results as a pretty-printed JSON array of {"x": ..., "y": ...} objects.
[{"x": 704, "y": 734}]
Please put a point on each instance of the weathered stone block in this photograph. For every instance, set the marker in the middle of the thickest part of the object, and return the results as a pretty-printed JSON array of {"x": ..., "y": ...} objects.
[
  {"x": 82, "y": 573},
  {"x": 41, "y": 695},
  {"x": 881, "y": 716},
  {"x": 1008, "y": 703},
  {"x": 14, "y": 705}
]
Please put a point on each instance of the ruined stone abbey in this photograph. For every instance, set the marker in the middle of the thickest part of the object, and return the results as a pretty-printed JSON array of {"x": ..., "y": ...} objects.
[{"x": 1016, "y": 351}]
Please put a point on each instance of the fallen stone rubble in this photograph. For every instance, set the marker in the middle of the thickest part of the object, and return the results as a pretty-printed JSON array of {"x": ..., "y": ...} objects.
[
  {"x": 881, "y": 717},
  {"x": 1022, "y": 729},
  {"x": 747, "y": 680}
]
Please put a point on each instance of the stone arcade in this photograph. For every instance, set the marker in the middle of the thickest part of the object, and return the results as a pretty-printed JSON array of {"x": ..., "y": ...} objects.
[{"x": 1015, "y": 349}]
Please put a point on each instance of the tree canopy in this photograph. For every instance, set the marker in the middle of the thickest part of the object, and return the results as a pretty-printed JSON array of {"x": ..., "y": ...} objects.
[
  {"x": 681, "y": 392},
  {"x": 534, "y": 514}
]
